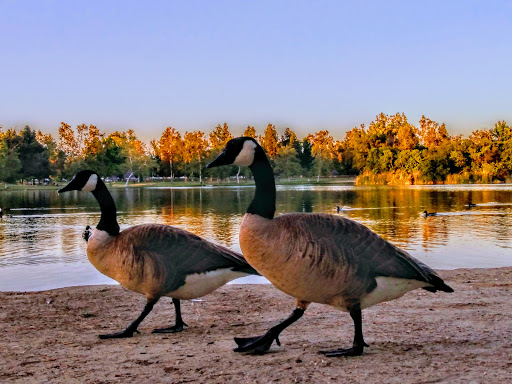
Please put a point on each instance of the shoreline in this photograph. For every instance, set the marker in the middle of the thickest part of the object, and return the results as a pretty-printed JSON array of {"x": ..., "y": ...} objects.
[
  {"x": 113, "y": 283},
  {"x": 51, "y": 336}
]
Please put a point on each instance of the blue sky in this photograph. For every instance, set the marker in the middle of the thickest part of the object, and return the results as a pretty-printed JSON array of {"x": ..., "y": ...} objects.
[{"x": 307, "y": 65}]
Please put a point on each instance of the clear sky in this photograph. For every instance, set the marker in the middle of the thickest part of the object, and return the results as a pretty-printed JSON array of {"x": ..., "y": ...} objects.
[{"x": 307, "y": 65}]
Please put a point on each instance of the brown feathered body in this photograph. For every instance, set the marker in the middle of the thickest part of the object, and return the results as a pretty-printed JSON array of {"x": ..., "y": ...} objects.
[
  {"x": 161, "y": 260},
  {"x": 331, "y": 260}
]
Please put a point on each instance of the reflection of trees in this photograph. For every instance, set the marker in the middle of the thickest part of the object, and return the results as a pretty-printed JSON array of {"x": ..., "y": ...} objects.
[
  {"x": 216, "y": 213},
  {"x": 213, "y": 213}
]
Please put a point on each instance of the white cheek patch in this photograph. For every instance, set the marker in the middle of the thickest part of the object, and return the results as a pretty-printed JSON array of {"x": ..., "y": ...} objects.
[
  {"x": 91, "y": 184},
  {"x": 246, "y": 155}
]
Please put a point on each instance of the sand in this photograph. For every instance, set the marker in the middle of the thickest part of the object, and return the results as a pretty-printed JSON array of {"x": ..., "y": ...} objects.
[{"x": 462, "y": 337}]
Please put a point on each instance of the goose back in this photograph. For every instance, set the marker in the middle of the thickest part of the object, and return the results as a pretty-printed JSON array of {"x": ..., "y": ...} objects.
[
  {"x": 296, "y": 251},
  {"x": 156, "y": 260}
]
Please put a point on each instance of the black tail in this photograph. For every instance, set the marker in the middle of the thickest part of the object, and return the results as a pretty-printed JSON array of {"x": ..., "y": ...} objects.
[
  {"x": 247, "y": 269},
  {"x": 438, "y": 285}
]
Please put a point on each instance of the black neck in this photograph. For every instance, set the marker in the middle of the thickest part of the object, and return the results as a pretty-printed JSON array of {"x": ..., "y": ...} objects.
[
  {"x": 264, "y": 201},
  {"x": 108, "y": 220}
]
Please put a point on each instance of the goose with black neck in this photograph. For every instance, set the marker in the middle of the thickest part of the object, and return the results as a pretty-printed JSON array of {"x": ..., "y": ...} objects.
[
  {"x": 317, "y": 257},
  {"x": 154, "y": 259}
]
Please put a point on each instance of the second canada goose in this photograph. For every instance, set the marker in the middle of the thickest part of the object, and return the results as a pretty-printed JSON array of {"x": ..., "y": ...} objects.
[
  {"x": 318, "y": 258},
  {"x": 153, "y": 259}
]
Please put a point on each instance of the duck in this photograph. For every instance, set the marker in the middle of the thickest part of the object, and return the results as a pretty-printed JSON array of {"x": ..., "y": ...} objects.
[
  {"x": 341, "y": 209},
  {"x": 427, "y": 214},
  {"x": 155, "y": 260},
  {"x": 471, "y": 205},
  {"x": 318, "y": 257},
  {"x": 87, "y": 233}
]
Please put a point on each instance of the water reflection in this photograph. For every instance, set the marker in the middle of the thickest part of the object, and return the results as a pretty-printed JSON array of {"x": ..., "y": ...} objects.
[{"x": 41, "y": 235}]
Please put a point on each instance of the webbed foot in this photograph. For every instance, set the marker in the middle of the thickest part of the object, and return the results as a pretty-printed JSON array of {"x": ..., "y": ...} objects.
[
  {"x": 119, "y": 335},
  {"x": 174, "y": 329},
  {"x": 356, "y": 350},
  {"x": 256, "y": 345}
]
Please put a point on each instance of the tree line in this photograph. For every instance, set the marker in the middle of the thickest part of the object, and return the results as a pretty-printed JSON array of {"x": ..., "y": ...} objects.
[{"x": 389, "y": 151}]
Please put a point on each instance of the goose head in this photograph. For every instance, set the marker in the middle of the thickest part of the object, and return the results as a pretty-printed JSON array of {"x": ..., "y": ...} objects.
[
  {"x": 239, "y": 151},
  {"x": 86, "y": 181}
]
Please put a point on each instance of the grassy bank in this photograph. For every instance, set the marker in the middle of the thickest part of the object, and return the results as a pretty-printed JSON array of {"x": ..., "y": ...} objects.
[{"x": 183, "y": 184}]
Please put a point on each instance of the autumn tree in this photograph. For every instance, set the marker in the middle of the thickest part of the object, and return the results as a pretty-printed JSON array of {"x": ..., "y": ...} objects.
[
  {"x": 217, "y": 141},
  {"x": 170, "y": 147},
  {"x": 288, "y": 138},
  {"x": 269, "y": 141},
  {"x": 56, "y": 156},
  {"x": 136, "y": 158},
  {"x": 91, "y": 137},
  {"x": 431, "y": 134},
  {"x": 220, "y": 136},
  {"x": 356, "y": 148},
  {"x": 67, "y": 141},
  {"x": 249, "y": 132},
  {"x": 195, "y": 151},
  {"x": 322, "y": 151}
]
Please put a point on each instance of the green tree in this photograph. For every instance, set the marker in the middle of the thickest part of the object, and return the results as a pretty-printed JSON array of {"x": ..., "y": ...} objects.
[
  {"x": 10, "y": 164},
  {"x": 286, "y": 163},
  {"x": 33, "y": 156},
  {"x": 303, "y": 150}
]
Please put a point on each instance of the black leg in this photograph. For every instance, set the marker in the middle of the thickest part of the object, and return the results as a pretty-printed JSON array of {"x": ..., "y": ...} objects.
[
  {"x": 358, "y": 344},
  {"x": 178, "y": 327},
  {"x": 132, "y": 328},
  {"x": 260, "y": 344}
]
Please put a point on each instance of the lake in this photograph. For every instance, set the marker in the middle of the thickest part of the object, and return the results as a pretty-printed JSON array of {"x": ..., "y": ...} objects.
[{"x": 41, "y": 245}]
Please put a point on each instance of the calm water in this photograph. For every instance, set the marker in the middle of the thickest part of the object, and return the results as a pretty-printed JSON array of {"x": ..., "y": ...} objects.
[{"x": 41, "y": 245}]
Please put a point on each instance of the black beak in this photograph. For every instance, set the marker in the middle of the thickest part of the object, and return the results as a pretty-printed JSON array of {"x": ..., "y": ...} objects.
[
  {"x": 69, "y": 187},
  {"x": 218, "y": 161},
  {"x": 65, "y": 189}
]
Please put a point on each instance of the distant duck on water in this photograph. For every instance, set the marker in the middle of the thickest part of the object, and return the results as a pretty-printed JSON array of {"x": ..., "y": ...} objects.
[
  {"x": 426, "y": 214},
  {"x": 471, "y": 205},
  {"x": 341, "y": 209},
  {"x": 154, "y": 259}
]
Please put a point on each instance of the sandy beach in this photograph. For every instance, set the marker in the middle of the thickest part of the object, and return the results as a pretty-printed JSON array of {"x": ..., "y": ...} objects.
[{"x": 464, "y": 337}]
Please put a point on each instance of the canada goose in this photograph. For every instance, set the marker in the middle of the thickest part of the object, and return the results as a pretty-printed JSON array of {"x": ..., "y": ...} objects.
[
  {"x": 153, "y": 259},
  {"x": 317, "y": 257},
  {"x": 426, "y": 214}
]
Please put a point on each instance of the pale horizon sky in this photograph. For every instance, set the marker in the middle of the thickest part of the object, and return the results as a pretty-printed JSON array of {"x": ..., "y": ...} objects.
[{"x": 307, "y": 65}]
